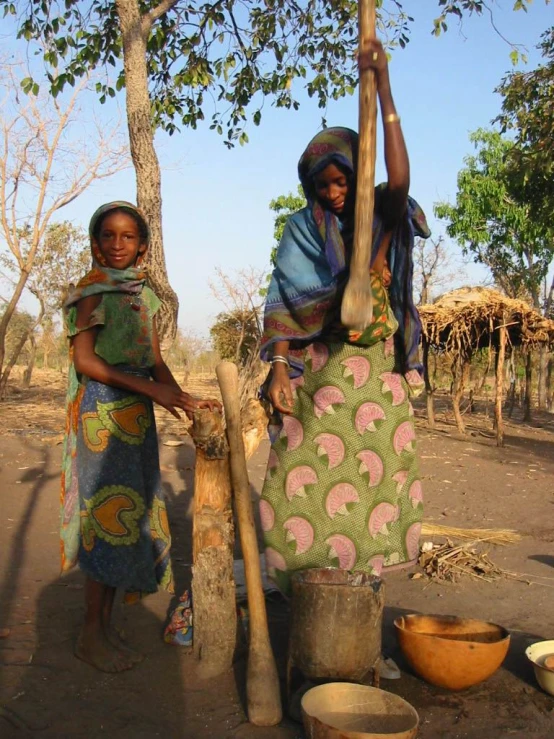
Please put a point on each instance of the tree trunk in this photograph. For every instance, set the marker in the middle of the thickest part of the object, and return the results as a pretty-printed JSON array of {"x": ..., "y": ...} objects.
[
  {"x": 145, "y": 160},
  {"x": 31, "y": 363},
  {"x": 543, "y": 371},
  {"x": 213, "y": 584},
  {"x": 424, "y": 298},
  {"x": 10, "y": 364},
  {"x": 528, "y": 386},
  {"x": 550, "y": 386},
  {"x": 429, "y": 389},
  {"x": 500, "y": 384},
  {"x": 7, "y": 316},
  {"x": 16, "y": 352}
]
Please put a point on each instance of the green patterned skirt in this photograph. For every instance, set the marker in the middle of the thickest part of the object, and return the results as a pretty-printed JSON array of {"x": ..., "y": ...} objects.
[{"x": 342, "y": 487}]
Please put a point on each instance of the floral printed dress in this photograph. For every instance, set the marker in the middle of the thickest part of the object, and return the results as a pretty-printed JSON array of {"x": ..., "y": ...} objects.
[
  {"x": 114, "y": 518},
  {"x": 342, "y": 487}
]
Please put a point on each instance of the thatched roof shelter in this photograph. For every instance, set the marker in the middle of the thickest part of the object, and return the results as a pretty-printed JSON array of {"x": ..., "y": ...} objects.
[{"x": 468, "y": 319}]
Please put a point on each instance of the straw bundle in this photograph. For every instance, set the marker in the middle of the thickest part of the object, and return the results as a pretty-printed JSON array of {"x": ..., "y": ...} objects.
[{"x": 492, "y": 536}]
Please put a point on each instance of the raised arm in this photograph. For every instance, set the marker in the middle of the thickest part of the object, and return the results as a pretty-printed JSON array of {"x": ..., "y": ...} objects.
[{"x": 396, "y": 154}]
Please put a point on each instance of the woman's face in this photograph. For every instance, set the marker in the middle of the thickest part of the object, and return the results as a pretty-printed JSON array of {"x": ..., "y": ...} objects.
[{"x": 332, "y": 188}]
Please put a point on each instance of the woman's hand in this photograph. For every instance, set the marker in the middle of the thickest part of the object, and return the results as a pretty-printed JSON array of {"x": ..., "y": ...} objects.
[
  {"x": 171, "y": 398},
  {"x": 210, "y": 403},
  {"x": 374, "y": 57},
  {"x": 280, "y": 391}
]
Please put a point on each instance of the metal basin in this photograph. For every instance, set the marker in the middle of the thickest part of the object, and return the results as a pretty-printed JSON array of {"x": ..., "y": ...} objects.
[{"x": 541, "y": 654}]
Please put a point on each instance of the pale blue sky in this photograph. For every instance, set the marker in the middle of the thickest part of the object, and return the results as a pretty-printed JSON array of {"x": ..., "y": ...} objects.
[{"x": 215, "y": 201}]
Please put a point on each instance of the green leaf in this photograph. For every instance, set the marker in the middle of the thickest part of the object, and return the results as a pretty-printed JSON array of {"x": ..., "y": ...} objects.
[{"x": 27, "y": 85}]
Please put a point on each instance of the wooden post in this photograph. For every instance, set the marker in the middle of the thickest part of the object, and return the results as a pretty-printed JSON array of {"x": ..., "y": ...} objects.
[
  {"x": 500, "y": 384},
  {"x": 512, "y": 391},
  {"x": 254, "y": 425},
  {"x": 528, "y": 385},
  {"x": 429, "y": 389},
  {"x": 213, "y": 584},
  {"x": 550, "y": 387},
  {"x": 458, "y": 371}
]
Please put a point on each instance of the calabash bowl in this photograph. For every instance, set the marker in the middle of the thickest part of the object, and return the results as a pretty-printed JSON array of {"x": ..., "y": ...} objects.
[
  {"x": 352, "y": 711},
  {"x": 451, "y": 652}
]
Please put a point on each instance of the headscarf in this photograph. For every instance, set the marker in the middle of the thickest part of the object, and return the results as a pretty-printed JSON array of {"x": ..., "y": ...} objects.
[
  {"x": 100, "y": 279},
  {"x": 331, "y": 146},
  {"x": 306, "y": 286}
]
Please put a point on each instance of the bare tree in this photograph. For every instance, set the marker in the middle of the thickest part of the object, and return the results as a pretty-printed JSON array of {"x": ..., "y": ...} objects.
[
  {"x": 433, "y": 269},
  {"x": 240, "y": 294},
  {"x": 48, "y": 341},
  {"x": 63, "y": 259},
  {"x": 46, "y": 162},
  {"x": 185, "y": 351}
]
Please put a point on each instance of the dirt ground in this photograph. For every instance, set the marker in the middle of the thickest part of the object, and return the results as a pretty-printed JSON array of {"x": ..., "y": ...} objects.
[{"x": 469, "y": 482}]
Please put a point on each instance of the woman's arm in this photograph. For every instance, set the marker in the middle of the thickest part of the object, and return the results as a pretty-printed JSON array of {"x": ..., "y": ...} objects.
[
  {"x": 396, "y": 154},
  {"x": 88, "y": 363},
  {"x": 163, "y": 374}
]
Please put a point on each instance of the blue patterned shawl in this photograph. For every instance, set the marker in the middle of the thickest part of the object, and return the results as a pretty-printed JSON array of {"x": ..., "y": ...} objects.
[{"x": 306, "y": 287}]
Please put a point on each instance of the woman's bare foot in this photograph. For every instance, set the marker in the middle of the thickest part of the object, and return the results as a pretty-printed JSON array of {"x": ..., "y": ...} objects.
[
  {"x": 94, "y": 649},
  {"x": 115, "y": 638}
]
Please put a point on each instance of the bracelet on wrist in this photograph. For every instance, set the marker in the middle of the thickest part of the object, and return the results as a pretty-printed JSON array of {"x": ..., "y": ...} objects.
[
  {"x": 391, "y": 118},
  {"x": 277, "y": 359}
]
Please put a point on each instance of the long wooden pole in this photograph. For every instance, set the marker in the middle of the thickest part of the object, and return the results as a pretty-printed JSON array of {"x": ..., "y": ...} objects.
[
  {"x": 500, "y": 382},
  {"x": 262, "y": 682},
  {"x": 357, "y": 308}
]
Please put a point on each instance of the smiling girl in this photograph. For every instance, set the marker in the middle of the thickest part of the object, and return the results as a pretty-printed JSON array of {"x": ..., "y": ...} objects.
[{"x": 114, "y": 519}]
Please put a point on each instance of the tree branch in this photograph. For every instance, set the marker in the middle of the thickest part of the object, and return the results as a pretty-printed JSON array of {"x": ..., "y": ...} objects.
[
  {"x": 550, "y": 298},
  {"x": 152, "y": 16}
]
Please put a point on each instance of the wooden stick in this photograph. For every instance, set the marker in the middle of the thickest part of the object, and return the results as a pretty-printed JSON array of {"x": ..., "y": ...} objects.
[
  {"x": 499, "y": 391},
  {"x": 357, "y": 306},
  {"x": 262, "y": 682}
]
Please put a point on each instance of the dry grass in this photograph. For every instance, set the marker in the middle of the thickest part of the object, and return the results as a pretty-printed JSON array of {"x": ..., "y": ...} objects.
[
  {"x": 449, "y": 563},
  {"x": 445, "y": 562},
  {"x": 493, "y": 536},
  {"x": 467, "y": 319}
]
